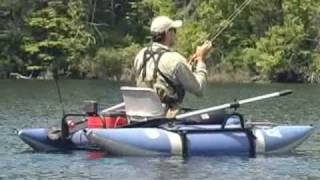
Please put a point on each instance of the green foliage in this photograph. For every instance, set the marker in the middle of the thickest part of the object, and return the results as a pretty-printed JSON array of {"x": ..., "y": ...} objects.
[
  {"x": 280, "y": 49},
  {"x": 316, "y": 63},
  {"x": 57, "y": 32},
  {"x": 109, "y": 62},
  {"x": 160, "y": 7},
  {"x": 11, "y": 33},
  {"x": 9, "y": 54},
  {"x": 189, "y": 37},
  {"x": 128, "y": 54},
  {"x": 99, "y": 38}
]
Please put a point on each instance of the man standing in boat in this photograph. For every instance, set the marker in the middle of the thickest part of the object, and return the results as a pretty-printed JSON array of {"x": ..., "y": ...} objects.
[{"x": 166, "y": 71}]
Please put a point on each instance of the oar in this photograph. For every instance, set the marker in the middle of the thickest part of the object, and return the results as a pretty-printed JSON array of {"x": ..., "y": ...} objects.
[
  {"x": 236, "y": 104},
  {"x": 112, "y": 108}
]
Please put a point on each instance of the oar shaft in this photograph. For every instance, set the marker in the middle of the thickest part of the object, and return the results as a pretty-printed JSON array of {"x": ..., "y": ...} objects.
[
  {"x": 202, "y": 111},
  {"x": 234, "y": 104},
  {"x": 267, "y": 96},
  {"x": 112, "y": 108}
]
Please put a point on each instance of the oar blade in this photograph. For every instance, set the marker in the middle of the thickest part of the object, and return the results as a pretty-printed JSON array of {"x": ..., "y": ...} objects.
[{"x": 285, "y": 92}]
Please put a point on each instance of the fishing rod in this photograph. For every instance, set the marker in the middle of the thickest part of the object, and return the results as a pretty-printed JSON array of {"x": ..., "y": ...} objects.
[
  {"x": 64, "y": 125},
  {"x": 230, "y": 19},
  {"x": 56, "y": 80},
  {"x": 224, "y": 27}
]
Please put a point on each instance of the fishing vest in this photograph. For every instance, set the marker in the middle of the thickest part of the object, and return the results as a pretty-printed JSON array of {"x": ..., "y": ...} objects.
[{"x": 155, "y": 56}]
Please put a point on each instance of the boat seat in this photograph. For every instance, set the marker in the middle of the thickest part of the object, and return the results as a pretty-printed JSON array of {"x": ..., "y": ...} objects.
[{"x": 142, "y": 104}]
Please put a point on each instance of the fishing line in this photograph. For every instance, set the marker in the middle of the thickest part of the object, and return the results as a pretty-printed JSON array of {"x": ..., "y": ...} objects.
[
  {"x": 222, "y": 28},
  {"x": 231, "y": 18}
]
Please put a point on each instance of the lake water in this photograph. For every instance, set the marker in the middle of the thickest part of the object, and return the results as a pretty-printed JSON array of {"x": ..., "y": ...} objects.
[{"x": 36, "y": 104}]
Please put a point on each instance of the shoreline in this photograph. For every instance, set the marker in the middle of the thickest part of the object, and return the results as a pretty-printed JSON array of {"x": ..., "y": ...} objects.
[
  {"x": 215, "y": 75},
  {"x": 219, "y": 78}
]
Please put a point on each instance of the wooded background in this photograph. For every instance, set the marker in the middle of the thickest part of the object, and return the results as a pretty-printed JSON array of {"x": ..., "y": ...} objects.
[{"x": 277, "y": 40}]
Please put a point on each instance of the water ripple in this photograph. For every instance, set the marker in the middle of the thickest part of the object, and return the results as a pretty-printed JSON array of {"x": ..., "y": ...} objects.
[{"x": 38, "y": 106}]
